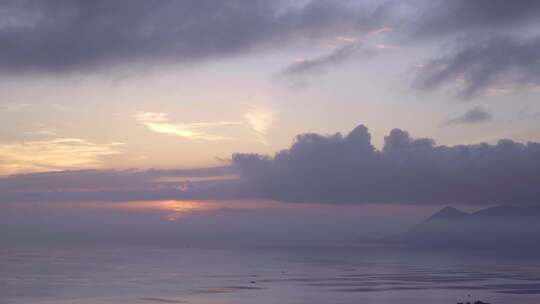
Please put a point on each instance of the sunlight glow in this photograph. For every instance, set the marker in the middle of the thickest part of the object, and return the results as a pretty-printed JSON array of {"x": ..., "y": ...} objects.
[
  {"x": 53, "y": 154},
  {"x": 158, "y": 122},
  {"x": 260, "y": 120},
  {"x": 173, "y": 210}
]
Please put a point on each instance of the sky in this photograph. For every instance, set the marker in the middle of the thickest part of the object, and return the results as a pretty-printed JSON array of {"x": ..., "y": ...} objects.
[{"x": 355, "y": 103}]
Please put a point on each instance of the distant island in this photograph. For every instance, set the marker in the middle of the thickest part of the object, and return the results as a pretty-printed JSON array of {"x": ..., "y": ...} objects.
[{"x": 500, "y": 227}]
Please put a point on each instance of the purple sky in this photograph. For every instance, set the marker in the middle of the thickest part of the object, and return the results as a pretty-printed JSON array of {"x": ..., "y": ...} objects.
[{"x": 302, "y": 114}]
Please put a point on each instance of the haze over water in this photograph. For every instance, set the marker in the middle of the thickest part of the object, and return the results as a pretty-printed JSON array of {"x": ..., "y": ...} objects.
[{"x": 164, "y": 252}]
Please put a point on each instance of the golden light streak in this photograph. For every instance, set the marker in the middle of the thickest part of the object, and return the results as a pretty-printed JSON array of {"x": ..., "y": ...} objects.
[
  {"x": 173, "y": 209},
  {"x": 158, "y": 122},
  {"x": 173, "y": 179},
  {"x": 61, "y": 153}
]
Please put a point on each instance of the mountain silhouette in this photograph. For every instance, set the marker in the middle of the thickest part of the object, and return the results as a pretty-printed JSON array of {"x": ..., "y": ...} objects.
[
  {"x": 448, "y": 213},
  {"x": 496, "y": 227}
]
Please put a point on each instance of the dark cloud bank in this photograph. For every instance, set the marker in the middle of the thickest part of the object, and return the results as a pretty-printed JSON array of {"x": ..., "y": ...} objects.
[
  {"x": 338, "y": 169},
  {"x": 321, "y": 169},
  {"x": 443, "y": 18},
  {"x": 121, "y": 185},
  {"x": 60, "y": 36},
  {"x": 493, "y": 41}
]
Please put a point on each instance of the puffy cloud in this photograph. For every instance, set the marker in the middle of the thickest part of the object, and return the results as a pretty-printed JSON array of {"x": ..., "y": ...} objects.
[
  {"x": 473, "y": 116},
  {"x": 317, "y": 168},
  {"x": 57, "y": 36},
  {"x": 337, "y": 169}
]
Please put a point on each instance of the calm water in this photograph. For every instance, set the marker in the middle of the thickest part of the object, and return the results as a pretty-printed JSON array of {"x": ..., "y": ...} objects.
[{"x": 137, "y": 274}]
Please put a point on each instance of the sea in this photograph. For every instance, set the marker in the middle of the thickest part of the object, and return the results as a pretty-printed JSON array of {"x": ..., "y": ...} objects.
[{"x": 261, "y": 274}]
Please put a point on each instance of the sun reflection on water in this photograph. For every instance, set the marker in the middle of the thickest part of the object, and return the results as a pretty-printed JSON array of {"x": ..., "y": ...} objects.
[{"x": 174, "y": 209}]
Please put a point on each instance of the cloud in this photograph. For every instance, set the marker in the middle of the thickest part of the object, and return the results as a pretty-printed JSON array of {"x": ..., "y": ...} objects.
[
  {"x": 119, "y": 185},
  {"x": 332, "y": 169},
  {"x": 347, "y": 48},
  {"x": 338, "y": 169},
  {"x": 60, "y": 36},
  {"x": 158, "y": 122},
  {"x": 59, "y": 153},
  {"x": 319, "y": 64},
  {"x": 66, "y": 36},
  {"x": 479, "y": 65},
  {"x": 260, "y": 120},
  {"x": 492, "y": 44},
  {"x": 443, "y": 18},
  {"x": 474, "y": 115}
]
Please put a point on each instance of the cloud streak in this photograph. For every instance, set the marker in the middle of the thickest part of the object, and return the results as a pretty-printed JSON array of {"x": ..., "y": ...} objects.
[
  {"x": 122, "y": 185},
  {"x": 159, "y": 123},
  {"x": 59, "y": 153},
  {"x": 322, "y": 63},
  {"x": 492, "y": 44},
  {"x": 260, "y": 120},
  {"x": 473, "y": 116},
  {"x": 481, "y": 64},
  {"x": 347, "y": 48}
]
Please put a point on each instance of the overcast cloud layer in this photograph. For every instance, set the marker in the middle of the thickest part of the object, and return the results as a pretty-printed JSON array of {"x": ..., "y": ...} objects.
[
  {"x": 81, "y": 35},
  {"x": 441, "y": 18},
  {"x": 493, "y": 42}
]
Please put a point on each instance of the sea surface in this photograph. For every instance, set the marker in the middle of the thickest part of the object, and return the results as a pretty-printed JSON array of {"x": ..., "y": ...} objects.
[{"x": 98, "y": 274}]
